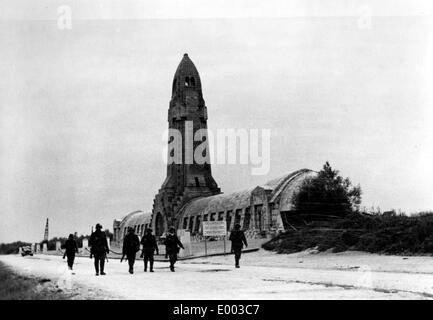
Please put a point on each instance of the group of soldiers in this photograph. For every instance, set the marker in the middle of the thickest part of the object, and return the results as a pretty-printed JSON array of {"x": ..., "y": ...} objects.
[
  {"x": 131, "y": 245},
  {"x": 99, "y": 249}
]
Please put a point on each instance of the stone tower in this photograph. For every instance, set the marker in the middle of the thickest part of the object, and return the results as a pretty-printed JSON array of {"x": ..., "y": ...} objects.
[{"x": 186, "y": 179}]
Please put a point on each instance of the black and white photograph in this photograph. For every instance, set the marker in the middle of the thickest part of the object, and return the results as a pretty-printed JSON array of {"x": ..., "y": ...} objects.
[{"x": 197, "y": 151}]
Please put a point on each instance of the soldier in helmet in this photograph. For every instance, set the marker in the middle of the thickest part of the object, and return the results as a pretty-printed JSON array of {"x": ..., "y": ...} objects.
[
  {"x": 99, "y": 248},
  {"x": 71, "y": 248},
  {"x": 149, "y": 247},
  {"x": 172, "y": 245},
  {"x": 131, "y": 245},
  {"x": 237, "y": 237}
]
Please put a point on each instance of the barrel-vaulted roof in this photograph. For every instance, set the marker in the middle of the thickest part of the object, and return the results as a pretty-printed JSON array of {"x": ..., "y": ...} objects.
[
  {"x": 136, "y": 218},
  {"x": 242, "y": 199}
]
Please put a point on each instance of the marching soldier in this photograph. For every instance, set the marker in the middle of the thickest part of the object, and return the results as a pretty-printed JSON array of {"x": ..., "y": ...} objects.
[
  {"x": 172, "y": 245},
  {"x": 237, "y": 237},
  {"x": 99, "y": 248},
  {"x": 131, "y": 245},
  {"x": 71, "y": 248},
  {"x": 149, "y": 247}
]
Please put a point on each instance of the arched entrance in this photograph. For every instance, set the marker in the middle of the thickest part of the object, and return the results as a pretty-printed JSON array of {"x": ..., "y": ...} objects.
[{"x": 159, "y": 224}]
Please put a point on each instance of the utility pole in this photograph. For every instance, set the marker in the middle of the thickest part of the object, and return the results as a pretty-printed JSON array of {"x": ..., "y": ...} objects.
[{"x": 46, "y": 232}]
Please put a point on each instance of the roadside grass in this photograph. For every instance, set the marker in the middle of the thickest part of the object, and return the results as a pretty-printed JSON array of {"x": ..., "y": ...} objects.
[{"x": 17, "y": 287}]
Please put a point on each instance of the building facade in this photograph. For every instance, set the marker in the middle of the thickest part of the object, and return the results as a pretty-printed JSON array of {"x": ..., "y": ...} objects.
[
  {"x": 138, "y": 220},
  {"x": 190, "y": 195},
  {"x": 258, "y": 210}
]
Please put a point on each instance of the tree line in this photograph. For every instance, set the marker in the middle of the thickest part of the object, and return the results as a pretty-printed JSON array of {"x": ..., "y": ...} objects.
[{"x": 13, "y": 247}]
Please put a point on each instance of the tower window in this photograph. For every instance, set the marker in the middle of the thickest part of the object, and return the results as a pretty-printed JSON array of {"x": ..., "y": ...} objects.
[
  {"x": 197, "y": 183},
  {"x": 189, "y": 82}
]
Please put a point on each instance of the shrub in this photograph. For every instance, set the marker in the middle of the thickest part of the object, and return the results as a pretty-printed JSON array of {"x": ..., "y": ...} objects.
[{"x": 327, "y": 194}]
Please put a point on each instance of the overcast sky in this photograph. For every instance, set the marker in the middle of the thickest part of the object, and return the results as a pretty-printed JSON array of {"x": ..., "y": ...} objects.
[{"x": 82, "y": 111}]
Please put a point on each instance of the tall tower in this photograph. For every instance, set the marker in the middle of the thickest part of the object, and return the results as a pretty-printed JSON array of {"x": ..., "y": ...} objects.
[
  {"x": 188, "y": 179},
  {"x": 46, "y": 232}
]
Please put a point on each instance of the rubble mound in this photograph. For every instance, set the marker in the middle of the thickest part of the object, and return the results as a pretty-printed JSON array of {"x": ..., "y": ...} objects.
[{"x": 379, "y": 233}]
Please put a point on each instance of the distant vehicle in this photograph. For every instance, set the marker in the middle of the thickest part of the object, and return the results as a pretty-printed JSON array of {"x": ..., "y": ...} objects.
[{"x": 26, "y": 251}]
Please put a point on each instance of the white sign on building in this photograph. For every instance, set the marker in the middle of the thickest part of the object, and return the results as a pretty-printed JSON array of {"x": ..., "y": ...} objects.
[{"x": 214, "y": 228}]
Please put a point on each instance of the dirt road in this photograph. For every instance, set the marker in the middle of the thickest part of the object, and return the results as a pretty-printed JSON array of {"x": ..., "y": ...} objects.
[{"x": 263, "y": 275}]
